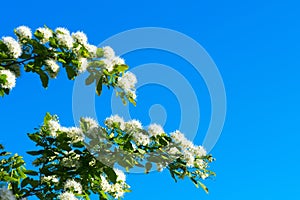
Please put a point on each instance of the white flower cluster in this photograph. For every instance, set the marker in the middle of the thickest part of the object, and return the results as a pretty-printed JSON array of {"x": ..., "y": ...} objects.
[
  {"x": 51, "y": 179},
  {"x": 73, "y": 186},
  {"x": 52, "y": 65},
  {"x": 192, "y": 154},
  {"x": 110, "y": 59},
  {"x": 74, "y": 133},
  {"x": 127, "y": 83},
  {"x": 6, "y": 194},
  {"x": 14, "y": 48},
  {"x": 155, "y": 130},
  {"x": 110, "y": 121},
  {"x": 47, "y": 34},
  {"x": 64, "y": 38},
  {"x": 23, "y": 32},
  {"x": 67, "y": 196},
  {"x": 117, "y": 190},
  {"x": 10, "y": 81}
]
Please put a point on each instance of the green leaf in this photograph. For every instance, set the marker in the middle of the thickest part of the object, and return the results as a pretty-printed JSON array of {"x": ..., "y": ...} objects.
[
  {"x": 99, "y": 87},
  {"x": 203, "y": 187},
  {"x": 71, "y": 72},
  {"x": 90, "y": 79},
  {"x": 99, "y": 53},
  {"x": 44, "y": 78},
  {"x": 34, "y": 137},
  {"x": 35, "y": 153},
  {"x": 111, "y": 174},
  {"x": 122, "y": 68},
  {"x": 148, "y": 167},
  {"x": 31, "y": 172}
]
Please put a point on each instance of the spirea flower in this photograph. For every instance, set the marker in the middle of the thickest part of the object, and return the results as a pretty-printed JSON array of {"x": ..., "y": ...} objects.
[
  {"x": 46, "y": 33},
  {"x": 118, "y": 190},
  {"x": 53, "y": 127},
  {"x": 52, "y": 179},
  {"x": 174, "y": 151},
  {"x": 14, "y": 48},
  {"x": 189, "y": 158},
  {"x": 90, "y": 122},
  {"x": 199, "y": 151},
  {"x": 65, "y": 40},
  {"x": 155, "y": 129},
  {"x": 74, "y": 133},
  {"x": 115, "y": 119},
  {"x": 23, "y": 32},
  {"x": 63, "y": 31},
  {"x": 6, "y": 194},
  {"x": 141, "y": 138},
  {"x": 108, "y": 52},
  {"x": 105, "y": 186},
  {"x": 132, "y": 125},
  {"x": 73, "y": 186},
  {"x": 127, "y": 81},
  {"x": 53, "y": 66},
  {"x": 83, "y": 64},
  {"x": 10, "y": 80},
  {"x": 67, "y": 196},
  {"x": 120, "y": 175},
  {"x": 92, "y": 49},
  {"x": 80, "y": 37}
]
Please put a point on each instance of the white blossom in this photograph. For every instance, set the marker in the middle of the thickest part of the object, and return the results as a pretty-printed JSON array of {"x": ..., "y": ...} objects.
[
  {"x": 47, "y": 34},
  {"x": 52, "y": 179},
  {"x": 118, "y": 190},
  {"x": 120, "y": 175},
  {"x": 75, "y": 134},
  {"x": 90, "y": 122},
  {"x": 127, "y": 81},
  {"x": 73, "y": 186},
  {"x": 118, "y": 61},
  {"x": 133, "y": 125},
  {"x": 80, "y": 37},
  {"x": 155, "y": 129},
  {"x": 10, "y": 80},
  {"x": 65, "y": 40},
  {"x": 24, "y": 32},
  {"x": 53, "y": 127},
  {"x": 115, "y": 119},
  {"x": 14, "y": 48},
  {"x": 189, "y": 158},
  {"x": 199, "y": 151},
  {"x": 179, "y": 137},
  {"x": 109, "y": 64},
  {"x": 53, "y": 66},
  {"x": 105, "y": 186},
  {"x": 108, "y": 52},
  {"x": 63, "y": 31},
  {"x": 83, "y": 64},
  {"x": 92, "y": 49},
  {"x": 141, "y": 139},
  {"x": 174, "y": 151},
  {"x": 6, "y": 194},
  {"x": 67, "y": 196}
]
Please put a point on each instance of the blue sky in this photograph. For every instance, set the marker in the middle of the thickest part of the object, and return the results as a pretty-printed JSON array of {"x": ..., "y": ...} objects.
[{"x": 256, "y": 47}]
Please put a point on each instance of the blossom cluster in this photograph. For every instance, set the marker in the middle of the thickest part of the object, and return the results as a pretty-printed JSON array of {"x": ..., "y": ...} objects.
[
  {"x": 57, "y": 42},
  {"x": 117, "y": 189}
]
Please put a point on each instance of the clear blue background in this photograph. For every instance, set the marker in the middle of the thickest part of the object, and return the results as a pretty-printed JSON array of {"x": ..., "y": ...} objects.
[{"x": 256, "y": 47}]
